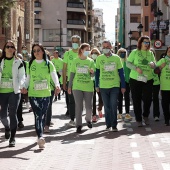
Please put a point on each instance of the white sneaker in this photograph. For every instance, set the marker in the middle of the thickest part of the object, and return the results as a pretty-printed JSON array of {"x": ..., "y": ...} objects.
[
  {"x": 71, "y": 123},
  {"x": 46, "y": 129},
  {"x": 27, "y": 105},
  {"x": 41, "y": 142}
]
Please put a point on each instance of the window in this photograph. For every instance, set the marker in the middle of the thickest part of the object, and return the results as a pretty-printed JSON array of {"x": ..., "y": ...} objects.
[
  {"x": 135, "y": 2},
  {"x": 51, "y": 35},
  {"x": 146, "y": 3},
  {"x": 36, "y": 35},
  {"x": 146, "y": 23},
  {"x": 135, "y": 18}
]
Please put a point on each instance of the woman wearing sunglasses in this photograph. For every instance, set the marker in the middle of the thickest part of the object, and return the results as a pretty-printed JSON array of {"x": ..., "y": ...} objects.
[
  {"x": 141, "y": 61},
  {"x": 12, "y": 79},
  {"x": 94, "y": 54},
  {"x": 39, "y": 71}
]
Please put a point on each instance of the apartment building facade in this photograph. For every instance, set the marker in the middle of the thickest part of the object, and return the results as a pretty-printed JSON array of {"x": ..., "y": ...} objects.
[
  {"x": 21, "y": 25},
  {"x": 56, "y": 21}
]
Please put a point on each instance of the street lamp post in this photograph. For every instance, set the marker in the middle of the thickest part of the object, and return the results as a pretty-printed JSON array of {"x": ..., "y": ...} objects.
[
  {"x": 130, "y": 36},
  {"x": 158, "y": 14},
  {"x": 140, "y": 27},
  {"x": 60, "y": 33}
]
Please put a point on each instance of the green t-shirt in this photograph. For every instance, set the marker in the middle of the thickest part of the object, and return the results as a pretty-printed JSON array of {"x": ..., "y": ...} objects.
[
  {"x": 40, "y": 79},
  {"x": 82, "y": 79},
  {"x": 141, "y": 59},
  {"x": 165, "y": 74},
  {"x": 6, "y": 85},
  {"x": 156, "y": 79},
  {"x": 126, "y": 71},
  {"x": 69, "y": 56},
  {"x": 58, "y": 63},
  {"x": 109, "y": 75}
]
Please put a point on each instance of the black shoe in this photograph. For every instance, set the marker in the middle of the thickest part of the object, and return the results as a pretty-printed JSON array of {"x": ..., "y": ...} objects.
[
  {"x": 89, "y": 124},
  {"x": 12, "y": 142},
  {"x": 79, "y": 129},
  {"x": 59, "y": 98},
  {"x": 108, "y": 128},
  {"x": 114, "y": 129},
  {"x": 55, "y": 99},
  {"x": 7, "y": 133}
]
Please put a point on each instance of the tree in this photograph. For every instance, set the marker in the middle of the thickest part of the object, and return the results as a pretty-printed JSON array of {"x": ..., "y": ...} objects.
[{"x": 5, "y": 7}]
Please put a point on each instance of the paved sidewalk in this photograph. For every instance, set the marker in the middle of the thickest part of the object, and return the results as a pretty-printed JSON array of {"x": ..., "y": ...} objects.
[{"x": 132, "y": 148}]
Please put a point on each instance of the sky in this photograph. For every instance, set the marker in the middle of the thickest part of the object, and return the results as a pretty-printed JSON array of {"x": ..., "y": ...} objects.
[{"x": 109, "y": 11}]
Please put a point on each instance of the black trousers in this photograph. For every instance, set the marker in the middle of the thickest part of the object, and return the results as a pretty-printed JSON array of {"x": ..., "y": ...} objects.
[
  {"x": 71, "y": 105},
  {"x": 141, "y": 92},
  {"x": 155, "y": 100},
  {"x": 127, "y": 99},
  {"x": 166, "y": 104}
]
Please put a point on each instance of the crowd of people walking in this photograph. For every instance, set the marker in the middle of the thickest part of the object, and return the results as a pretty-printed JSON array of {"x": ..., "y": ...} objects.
[{"x": 81, "y": 74}]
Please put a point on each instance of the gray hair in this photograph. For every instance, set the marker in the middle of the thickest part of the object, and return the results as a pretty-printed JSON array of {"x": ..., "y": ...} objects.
[
  {"x": 107, "y": 41},
  {"x": 76, "y": 36}
]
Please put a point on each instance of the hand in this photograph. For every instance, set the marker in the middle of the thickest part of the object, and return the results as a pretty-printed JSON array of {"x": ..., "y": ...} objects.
[
  {"x": 123, "y": 90},
  {"x": 139, "y": 70},
  {"x": 24, "y": 91},
  {"x": 97, "y": 89},
  {"x": 64, "y": 86},
  {"x": 69, "y": 90},
  {"x": 152, "y": 64},
  {"x": 91, "y": 71},
  {"x": 57, "y": 91}
]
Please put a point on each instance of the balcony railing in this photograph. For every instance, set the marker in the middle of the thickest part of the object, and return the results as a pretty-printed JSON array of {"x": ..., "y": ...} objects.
[
  {"x": 76, "y": 22},
  {"x": 37, "y": 4},
  {"x": 75, "y": 4},
  {"x": 37, "y": 21}
]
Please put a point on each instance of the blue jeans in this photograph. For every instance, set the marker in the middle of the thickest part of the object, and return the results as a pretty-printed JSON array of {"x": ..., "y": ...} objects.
[
  {"x": 110, "y": 98},
  {"x": 11, "y": 101},
  {"x": 39, "y": 106}
]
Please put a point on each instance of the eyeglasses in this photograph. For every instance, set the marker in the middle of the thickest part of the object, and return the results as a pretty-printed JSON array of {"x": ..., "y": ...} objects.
[
  {"x": 146, "y": 43},
  {"x": 9, "y": 47},
  {"x": 122, "y": 52},
  {"x": 34, "y": 51}
]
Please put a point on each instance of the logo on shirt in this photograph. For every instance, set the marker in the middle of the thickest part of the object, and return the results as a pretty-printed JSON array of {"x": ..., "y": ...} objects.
[
  {"x": 102, "y": 62},
  {"x": 70, "y": 57},
  {"x": 33, "y": 68}
]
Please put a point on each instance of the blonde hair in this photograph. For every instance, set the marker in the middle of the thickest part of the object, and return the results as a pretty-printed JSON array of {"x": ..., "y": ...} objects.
[{"x": 122, "y": 50}]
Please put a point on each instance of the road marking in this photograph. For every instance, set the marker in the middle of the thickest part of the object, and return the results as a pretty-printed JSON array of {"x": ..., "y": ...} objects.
[
  {"x": 152, "y": 136},
  {"x": 166, "y": 166},
  {"x": 160, "y": 154},
  {"x": 79, "y": 142},
  {"x": 155, "y": 144},
  {"x": 135, "y": 154},
  {"x": 137, "y": 166},
  {"x": 133, "y": 144},
  {"x": 131, "y": 136},
  {"x": 148, "y": 129},
  {"x": 129, "y": 129},
  {"x": 165, "y": 140}
]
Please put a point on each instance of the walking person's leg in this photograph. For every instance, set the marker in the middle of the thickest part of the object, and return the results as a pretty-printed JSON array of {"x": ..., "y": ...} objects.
[
  {"x": 78, "y": 96},
  {"x": 88, "y": 97},
  {"x": 13, "y": 106}
]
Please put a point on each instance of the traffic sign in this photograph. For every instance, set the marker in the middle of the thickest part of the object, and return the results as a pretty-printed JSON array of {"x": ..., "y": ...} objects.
[{"x": 158, "y": 44}]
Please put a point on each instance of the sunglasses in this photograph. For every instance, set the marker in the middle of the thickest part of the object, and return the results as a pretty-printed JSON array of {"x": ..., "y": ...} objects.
[
  {"x": 10, "y": 47},
  {"x": 146, "y": 43},
  {"x": 34, "y": 51},
  {"x": 122, "y": 52}
]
